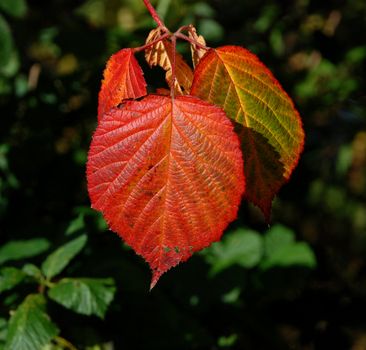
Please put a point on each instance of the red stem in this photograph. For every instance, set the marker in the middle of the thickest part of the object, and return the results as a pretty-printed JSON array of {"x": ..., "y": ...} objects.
[
  {"x": 154, "y": 14},
  {"x": 152, "y": 43},
  {"x": 174, "y": 48},
  {"x": 194, "y": 42},
  {"x": 183, "y": 28},
  {"x": 173, "y": 38}
]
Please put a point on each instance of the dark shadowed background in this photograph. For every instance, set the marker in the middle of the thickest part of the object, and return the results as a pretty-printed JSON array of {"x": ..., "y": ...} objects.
[{"x": 298, "y": 284}]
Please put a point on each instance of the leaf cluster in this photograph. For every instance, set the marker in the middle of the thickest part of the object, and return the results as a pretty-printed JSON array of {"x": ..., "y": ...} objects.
[
  {"x": 30, "y": 326},
  {"x": 151, "y": 152},
  {"x": 45, "y": 133}
]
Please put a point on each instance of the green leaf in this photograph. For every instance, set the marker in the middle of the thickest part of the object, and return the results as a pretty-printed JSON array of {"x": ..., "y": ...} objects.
[
  {"x": 281, "y": 250},
  {"x": 60, "y": 258},
  {"x": 16, "y": 250},
  {"x": 202, "y": 9},
  {"x": 210, "y": 29},
  {"x": 12, "y": 66},
  {"x": 268, "y": 124},
  {"x": 30, "y": 328},
  {"x": 298, "y": 254},
  {"x": 32, "y": 271},
  {"x": 86, "y": 296},
  {"x": 242, "y": 247},
  {"x": 21, "y": 85},
  {"x": 227, "y": 342},
  {"x": 10, "y": 277},
  {"x": 15, "y": 8},
  {"x": 6, "y": 42},
  {"x": 3, "y": 330},
  {"x": 276, "y": 238},
  {"x": 76, "y": 225}
]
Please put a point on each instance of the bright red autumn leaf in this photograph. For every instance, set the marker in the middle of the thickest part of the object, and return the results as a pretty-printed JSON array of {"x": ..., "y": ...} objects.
[
  {"x": 271, "y": 129},
  {"x": 123, "y": 79},
  {"x": 167, "y": 174}
]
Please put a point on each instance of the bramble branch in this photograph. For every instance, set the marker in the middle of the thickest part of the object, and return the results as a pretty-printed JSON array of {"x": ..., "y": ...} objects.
[{"x": 154, "y": 14}]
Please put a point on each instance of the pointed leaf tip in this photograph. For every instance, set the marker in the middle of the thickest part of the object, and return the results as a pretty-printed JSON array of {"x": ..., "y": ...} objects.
[
  {"x": 272, "y": 135},
  {"x": 167, "y": 176},
  {"x": 60, "y": 258},
  {"x": 154, "y": 279}
]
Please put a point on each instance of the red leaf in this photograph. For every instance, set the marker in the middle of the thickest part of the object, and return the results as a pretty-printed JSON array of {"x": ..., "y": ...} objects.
[
  {"x": 264, "y": 172},
  {"x": 167, "y": 176},
  {"x": 123, "y": 79},
  {"x": 271, "y": 130}
]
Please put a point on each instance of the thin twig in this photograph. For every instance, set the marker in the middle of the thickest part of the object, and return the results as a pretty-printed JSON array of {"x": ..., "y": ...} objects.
[
  {"x": 194, "y": 42},
  {"x": 154, "y": 14},
  {"x": 188, "y": 27},
  {"x": 174, "y": 48},
  {"x": 152, "y": 43},
  {"x": 64, "y": 343}
]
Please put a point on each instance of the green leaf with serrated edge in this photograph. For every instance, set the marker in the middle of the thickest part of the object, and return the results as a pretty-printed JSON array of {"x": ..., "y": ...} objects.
[
  {"x": 17, "y": 250},
  {"x": 30, "y": 327},
  {"x": 242, "y": 247},
  {"x": 15, "y": 8},
  {"x": 86, "y": 296},
  {"x": 269, "y": 125},
  {"x": 281, "y": 250},
  {"x": 10, "y": 277},
  {"x": 60, "y": 258}
]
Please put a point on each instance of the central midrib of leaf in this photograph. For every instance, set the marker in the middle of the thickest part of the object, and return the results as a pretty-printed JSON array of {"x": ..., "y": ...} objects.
[
  {"x": 167, "y": 175},
  {"x": 170, "y": 125},
  {"x": 169, "y": 121}
]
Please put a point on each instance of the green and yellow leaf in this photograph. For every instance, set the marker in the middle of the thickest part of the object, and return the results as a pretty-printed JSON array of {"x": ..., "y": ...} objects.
[{"x": 270, "y": 127}]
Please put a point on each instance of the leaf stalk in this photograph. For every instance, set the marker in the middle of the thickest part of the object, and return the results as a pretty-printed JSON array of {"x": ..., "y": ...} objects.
[
  {"x": 64, "y": 343},
  {"x": 174, "y": 48},
  {"x": 144, "y": 47},
  {"x": 154, "y": 14}
]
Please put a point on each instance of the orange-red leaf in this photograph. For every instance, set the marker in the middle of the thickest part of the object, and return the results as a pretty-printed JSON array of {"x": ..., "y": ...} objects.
[
  {"x": 167, "y": 174},
  {"x": 272, "y": 134},
  {"x": 161, "y": 54},
  {"x": 123, "y": 79}
]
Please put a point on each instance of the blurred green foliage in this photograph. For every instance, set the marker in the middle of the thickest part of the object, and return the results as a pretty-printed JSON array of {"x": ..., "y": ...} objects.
[
  {"x": 299, "y": 284},
  {"x": 30, "y": 326}
]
